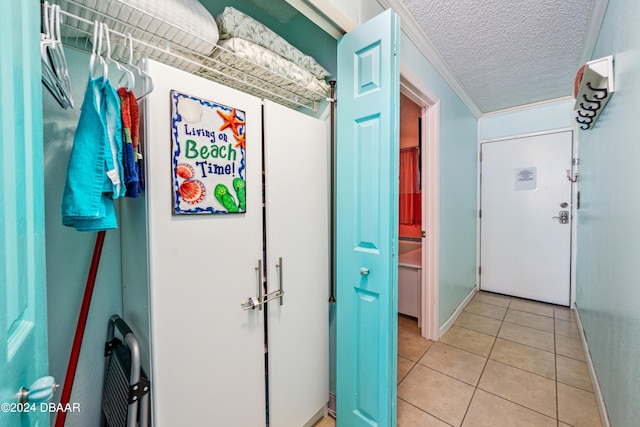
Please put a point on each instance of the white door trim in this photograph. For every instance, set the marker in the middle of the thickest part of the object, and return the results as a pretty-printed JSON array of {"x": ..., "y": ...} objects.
[
  {"x": 527, "y": 135},
  {"x": 414, "y": 89}
]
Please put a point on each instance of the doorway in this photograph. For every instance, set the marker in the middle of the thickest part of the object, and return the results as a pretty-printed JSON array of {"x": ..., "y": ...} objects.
[{"x": 418, "y": 230}]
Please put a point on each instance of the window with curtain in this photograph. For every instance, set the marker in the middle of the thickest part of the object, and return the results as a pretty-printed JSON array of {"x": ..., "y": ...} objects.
[{"x": 410, "y": 197}]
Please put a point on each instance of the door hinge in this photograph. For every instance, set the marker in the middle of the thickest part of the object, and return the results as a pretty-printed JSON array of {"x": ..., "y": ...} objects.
[
  {"x": 576, "y": 160},
  {"x": 479, "y": 213},
  {"x": 479, "y": 271},
  {"x": 481, "y": 156}
]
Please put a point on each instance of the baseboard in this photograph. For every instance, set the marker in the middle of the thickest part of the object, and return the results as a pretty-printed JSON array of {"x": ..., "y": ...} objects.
[
  {"x": 322, "y": 412},
  {"x": 454, "y": 316},
  {"x": 604, "y": 415}
]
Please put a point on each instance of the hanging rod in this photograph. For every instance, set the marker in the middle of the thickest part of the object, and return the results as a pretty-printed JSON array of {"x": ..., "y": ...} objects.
[{"x": 77, "y": 32}]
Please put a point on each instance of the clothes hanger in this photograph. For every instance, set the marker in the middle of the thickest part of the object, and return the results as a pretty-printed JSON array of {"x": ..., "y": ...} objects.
[
  {"x": 125, "y": 71},
  {"x": 60, "y": 61},
  {"x": 96, "y": 56},
  {"x": 147, "y": 79},
  {"x": 131, "y": 78},
  {"x": 48, "y": 52}
]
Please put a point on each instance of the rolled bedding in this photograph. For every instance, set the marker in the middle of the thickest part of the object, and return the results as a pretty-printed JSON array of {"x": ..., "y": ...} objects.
[
  {"x": 250, "y": 62},
  {"x": 234, "y": 24}
]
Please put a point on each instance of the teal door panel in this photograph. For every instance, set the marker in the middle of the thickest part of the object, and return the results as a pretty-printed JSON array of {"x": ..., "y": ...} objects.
[
  {"x": 367, "y": 152},
  {"x": 23, "y": 342}
]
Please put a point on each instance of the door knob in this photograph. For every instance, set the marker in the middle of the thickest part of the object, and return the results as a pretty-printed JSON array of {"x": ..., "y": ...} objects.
[{"x": 40, "y": 391}]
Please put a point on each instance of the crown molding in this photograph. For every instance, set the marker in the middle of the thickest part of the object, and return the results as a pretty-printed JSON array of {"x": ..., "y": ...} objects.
[
  {"x": 593, "y": 29},
  {"x": 412, "y": 29},
  {"x": 314, "y": 14},
  {"x": 336, "y": 17},
  {"x": 530, "y": 105}
]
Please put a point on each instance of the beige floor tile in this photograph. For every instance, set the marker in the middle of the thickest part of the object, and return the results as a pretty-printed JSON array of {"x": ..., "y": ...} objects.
[
  {"x": 326, "y": 422},
  {"x": 561, "y": 424},
  {"x": 487, "y": 410},
  {"x": 521, "y": 387},
  {"x": 524, "y": 357},
  {"x": 493, "y": 299},
  {"x": 440, "y": 395},
  {"x": 410, "y": 416},
  {"x": 529, "y": 319},
  {"x": 409, "y": 324},
  {"x": 483, "y": 324},
  {"x": 466, "y": 339},
  {"x": 404, "y": 366},
  {"x": 569, "y": 347},
  {"x": 573, "y": 372},
  {"x": 452, "y": 361},
  {"x": 577, "y": 407},
  {"x": 527, "y": 336},
  {"x": 487, "y": 310},
  {"x": 567, "y": 329},
  {"x": 532, "y": 307},
  {"x": 412, "y": 346},
  {"x": 564, "y": 313}
]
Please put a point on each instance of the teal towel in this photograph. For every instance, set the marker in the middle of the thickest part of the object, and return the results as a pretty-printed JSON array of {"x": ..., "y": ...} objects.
[{"x": 93, "y": 176}]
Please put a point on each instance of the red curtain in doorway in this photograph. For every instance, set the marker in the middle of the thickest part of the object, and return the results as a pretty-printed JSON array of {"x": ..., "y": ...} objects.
[{"x": 410, "y": 198}]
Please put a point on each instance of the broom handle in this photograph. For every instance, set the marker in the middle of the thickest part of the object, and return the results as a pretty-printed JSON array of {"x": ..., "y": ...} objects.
[{"x": 82, "y": 322}]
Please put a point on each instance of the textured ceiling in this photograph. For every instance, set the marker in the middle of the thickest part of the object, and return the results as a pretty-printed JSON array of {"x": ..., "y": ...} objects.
[{"x": 507, "y": 53}]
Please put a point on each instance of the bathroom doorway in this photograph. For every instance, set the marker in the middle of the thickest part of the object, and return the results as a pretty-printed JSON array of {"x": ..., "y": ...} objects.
[{"x": 418, "y": 207}]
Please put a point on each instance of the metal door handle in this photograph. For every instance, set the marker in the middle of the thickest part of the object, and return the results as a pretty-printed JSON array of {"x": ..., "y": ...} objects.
[
  {"x": 279, "y": 268},
  {"x": 260, "y": 286},
  {"x": 253, "y": 302},
  {"x": 364, "y": 271}
]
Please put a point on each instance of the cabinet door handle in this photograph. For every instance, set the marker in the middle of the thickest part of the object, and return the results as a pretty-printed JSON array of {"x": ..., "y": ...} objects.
[
  {"x": 260, "y": 284},
  {"x": 279, "y": 268}
]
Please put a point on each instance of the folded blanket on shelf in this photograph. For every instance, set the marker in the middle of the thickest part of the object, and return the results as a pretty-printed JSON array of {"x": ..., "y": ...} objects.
[
  {"x": 233, "y": 23},
  {"x": 255, "y": 65}
]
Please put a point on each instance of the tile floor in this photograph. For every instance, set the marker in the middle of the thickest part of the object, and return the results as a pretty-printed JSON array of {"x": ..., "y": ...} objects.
[{"x": 505, "y": 362}]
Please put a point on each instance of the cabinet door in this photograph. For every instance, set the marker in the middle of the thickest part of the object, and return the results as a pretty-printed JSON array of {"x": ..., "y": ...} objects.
[
  {"x": 296, "y": 185},
  {"x": 207, "y": 360}
]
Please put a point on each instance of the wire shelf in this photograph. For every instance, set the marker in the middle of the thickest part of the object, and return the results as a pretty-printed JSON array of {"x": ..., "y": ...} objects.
[{"x": 156, "y": 39}]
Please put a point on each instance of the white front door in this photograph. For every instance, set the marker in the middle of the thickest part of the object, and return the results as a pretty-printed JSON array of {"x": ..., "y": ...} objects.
[{"x": 526, "y": 217}]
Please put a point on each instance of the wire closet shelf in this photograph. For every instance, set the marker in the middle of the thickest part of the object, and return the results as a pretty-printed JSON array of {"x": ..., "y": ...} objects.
[{"x": 159, "y": 40}]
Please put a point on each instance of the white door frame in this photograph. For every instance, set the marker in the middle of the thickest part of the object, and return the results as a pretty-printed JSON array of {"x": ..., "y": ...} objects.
[{"x": 413, "y": 88}]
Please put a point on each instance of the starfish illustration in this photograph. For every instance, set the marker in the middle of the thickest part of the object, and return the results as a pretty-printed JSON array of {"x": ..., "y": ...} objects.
[
  {"x": 230, "y": 121},
  {"x": 241, "y": 141}
]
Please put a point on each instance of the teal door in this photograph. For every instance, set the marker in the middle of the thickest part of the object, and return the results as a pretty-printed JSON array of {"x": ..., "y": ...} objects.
[
  {"x": 367, "y": 155},
  {"x": 23, "y": 342}
]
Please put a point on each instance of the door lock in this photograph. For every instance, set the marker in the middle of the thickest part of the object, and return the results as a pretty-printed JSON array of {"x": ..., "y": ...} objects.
[{"x": 563, "y": 217}]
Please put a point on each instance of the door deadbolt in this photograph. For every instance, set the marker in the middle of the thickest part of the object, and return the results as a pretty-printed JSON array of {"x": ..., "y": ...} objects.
[
  {"x": 563, "y": 217},
  {"x": 564, "y": 205}
]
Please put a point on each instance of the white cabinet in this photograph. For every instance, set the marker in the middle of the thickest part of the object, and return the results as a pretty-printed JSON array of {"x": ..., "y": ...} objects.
[{"x": 185, "y": 276}]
